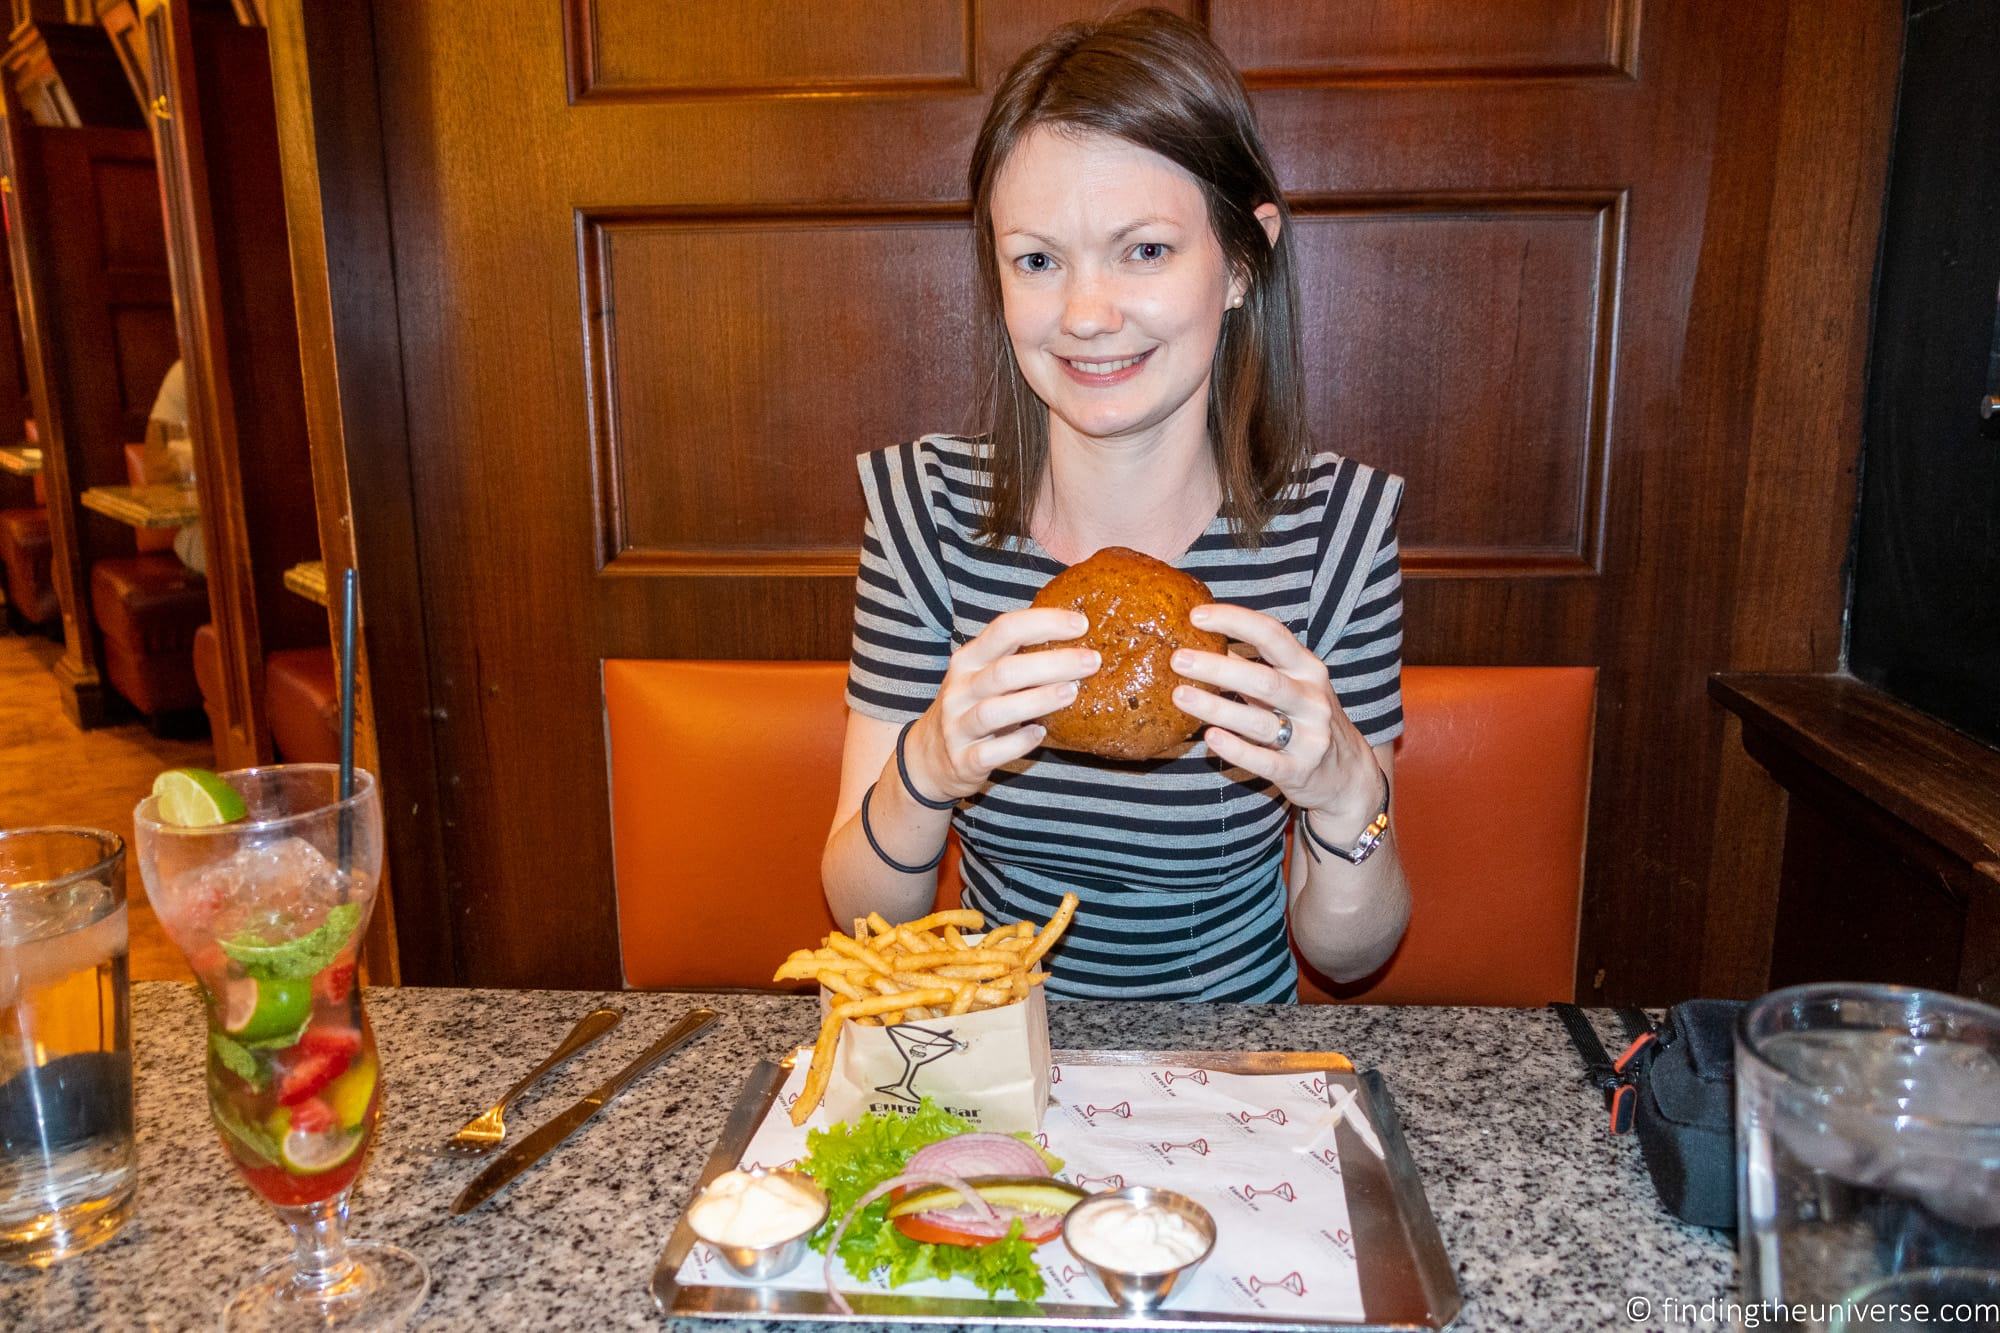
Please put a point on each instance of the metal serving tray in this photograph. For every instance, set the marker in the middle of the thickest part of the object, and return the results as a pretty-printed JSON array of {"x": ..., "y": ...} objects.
[{"x": 1407, "y": 1281}]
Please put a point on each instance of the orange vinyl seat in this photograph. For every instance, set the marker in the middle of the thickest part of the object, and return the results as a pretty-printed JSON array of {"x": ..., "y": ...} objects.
[
  {"x": 208, "y": 675},
  {"x": 1492, "y": 798},
  {"x": 724, "y": 777},
  {"x": 302, "y": 700},
  {"x": 723, "y": 781},
  {"x": 148, "y": 608}
]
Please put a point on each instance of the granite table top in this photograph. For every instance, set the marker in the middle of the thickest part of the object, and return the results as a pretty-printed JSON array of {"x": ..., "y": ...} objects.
[{"x": 1552, "y": 1224}]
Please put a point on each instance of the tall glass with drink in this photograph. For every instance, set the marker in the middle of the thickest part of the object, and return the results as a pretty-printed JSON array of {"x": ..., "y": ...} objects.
[
  {"x": 1868, "y": 1141},
  {"x": 66, "y": 1160},
  {"x": 265, "y": 878}
]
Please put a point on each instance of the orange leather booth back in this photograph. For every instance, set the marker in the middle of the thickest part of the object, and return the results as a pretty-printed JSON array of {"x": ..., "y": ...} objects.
[{"x": 724, "y": 776}]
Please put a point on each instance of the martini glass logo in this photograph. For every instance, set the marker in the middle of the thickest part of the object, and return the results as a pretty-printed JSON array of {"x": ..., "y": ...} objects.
[
  {"x": 1291, "y": 1282},
  {"x": 1282, "y": 1190},
  {"x": 918, "y": 1047},
  {"x": 1275, "y": 1115}
]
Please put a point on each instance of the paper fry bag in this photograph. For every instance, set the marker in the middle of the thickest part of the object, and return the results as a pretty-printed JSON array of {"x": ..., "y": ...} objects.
[{"x": 991, "y": 1067}]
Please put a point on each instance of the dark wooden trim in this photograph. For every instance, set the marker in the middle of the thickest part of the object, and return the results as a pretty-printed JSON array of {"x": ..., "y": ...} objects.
[
  {"x": 182, "y": 158},
  {"x": 1893, "y": 820},
  {"x": 336, "y": 203},
  {"x": 1936, "y": 781}
]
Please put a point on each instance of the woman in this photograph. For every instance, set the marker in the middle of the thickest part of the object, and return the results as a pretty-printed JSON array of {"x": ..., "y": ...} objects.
[{"x": 1136, "y": 266}]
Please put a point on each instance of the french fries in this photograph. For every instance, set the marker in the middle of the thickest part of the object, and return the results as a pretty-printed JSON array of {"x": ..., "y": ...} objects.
[{"x": 887, "y": 973}]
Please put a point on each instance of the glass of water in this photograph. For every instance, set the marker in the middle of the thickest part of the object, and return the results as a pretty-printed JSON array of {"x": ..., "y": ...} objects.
[
  {"x": 1867, "y": 1140},
  {"x": 66, "y": 1157}
]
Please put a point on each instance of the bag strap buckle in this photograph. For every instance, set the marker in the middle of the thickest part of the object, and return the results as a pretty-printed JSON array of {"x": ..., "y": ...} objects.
[{"x": 1613, "y": 1078}]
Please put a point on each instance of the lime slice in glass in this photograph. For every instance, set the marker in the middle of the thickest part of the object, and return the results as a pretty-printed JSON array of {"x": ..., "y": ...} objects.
[
  {"x": 196, "y": 798},
  {"x": 309, "y": 1154},
  {"x": 254, "y": 1010}
]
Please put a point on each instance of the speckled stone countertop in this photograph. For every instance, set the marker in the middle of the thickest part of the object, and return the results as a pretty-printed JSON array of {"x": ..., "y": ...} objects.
[{"x": 1552, "y": 1224}]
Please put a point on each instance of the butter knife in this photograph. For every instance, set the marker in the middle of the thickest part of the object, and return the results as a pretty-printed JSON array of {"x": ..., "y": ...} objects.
[{"x": 550, "y": 1136}]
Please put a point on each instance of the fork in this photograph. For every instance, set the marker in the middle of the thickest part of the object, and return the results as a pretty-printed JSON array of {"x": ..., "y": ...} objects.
[{"x": 482, "y": 1134}]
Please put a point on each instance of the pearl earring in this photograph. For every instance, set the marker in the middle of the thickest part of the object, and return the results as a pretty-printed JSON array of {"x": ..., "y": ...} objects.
[{"x": 1236, "y": 304}]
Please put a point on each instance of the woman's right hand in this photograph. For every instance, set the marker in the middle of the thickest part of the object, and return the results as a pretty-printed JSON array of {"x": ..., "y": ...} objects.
[{"x": 984, "y": 713}]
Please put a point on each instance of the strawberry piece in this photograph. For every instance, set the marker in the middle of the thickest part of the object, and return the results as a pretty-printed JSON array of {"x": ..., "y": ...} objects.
[
  {"x": 308, "y": 1076},
  {"x": 334, "y": 983},
  {"x": 313, "y": 1116},
  {"x": 337, "y": 1041}
]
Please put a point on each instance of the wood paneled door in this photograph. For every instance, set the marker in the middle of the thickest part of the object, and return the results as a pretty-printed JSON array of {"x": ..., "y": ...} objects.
[{"x": 659, "y": 274}]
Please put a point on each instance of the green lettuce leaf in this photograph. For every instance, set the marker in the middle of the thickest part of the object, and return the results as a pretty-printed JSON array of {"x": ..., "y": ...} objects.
[
  {"x": 297, "y": 959},
  {"x": 848, "y": 1160}
]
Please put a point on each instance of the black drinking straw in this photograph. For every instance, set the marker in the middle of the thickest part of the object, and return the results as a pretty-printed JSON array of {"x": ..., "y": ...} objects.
[{"x": 348, "y": 593}]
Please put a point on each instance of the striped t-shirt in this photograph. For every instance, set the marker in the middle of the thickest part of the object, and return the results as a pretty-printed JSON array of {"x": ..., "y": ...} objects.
[{"x": 1177, "y": 860}]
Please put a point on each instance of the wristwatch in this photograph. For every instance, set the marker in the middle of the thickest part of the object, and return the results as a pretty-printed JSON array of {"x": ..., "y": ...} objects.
[{"x": 1365, "y": 845}]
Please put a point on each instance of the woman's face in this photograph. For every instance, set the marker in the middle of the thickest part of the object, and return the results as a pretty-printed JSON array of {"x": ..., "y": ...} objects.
[{"x": 1112, "y": 281}]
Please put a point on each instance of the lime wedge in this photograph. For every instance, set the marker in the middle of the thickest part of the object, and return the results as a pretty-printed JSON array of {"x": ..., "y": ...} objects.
[
  {"x": 309, "y": 1154},
  {"x": 254, "y": 1010},
  {"x": 196, "y": 798}
]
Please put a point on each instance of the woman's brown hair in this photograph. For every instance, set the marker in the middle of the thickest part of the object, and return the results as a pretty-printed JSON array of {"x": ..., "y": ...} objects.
[{"x": 1154, "y": 79}]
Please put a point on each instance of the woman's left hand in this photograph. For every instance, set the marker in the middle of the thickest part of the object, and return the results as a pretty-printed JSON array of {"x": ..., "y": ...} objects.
[{"x": 1326, "y": 766}]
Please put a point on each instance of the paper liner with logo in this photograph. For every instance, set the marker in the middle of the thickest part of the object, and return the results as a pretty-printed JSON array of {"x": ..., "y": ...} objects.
[{"x": 991, "y": 1067}]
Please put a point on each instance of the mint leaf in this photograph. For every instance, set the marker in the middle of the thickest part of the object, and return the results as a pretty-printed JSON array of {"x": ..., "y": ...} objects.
[
  {"x": 261, "y": 1143},
  {"x": 296, "y": 959},
  {"x": 235, "y": 1059}
]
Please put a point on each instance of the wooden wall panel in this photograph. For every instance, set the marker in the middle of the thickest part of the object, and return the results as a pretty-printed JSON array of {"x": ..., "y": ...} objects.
[
  {"x": 769, "y": 46},
  {"x": 1535, "y": 240},
  {"x": 706, "y": 398},
  {"x": 1320, "y": 40},
  {"x": 1502, "y": 302}
]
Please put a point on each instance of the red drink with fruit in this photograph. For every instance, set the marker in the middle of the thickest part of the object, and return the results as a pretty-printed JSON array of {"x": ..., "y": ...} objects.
[{"x": 265, "y": 878}]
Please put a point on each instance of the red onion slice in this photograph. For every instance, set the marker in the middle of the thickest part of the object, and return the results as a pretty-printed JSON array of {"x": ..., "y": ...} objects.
[
  {"x": 980, "y": 1154},
  {"x": 983, "y": 1209}
]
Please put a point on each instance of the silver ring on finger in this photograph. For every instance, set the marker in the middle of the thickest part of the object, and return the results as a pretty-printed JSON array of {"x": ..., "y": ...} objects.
[{"x": 1284, "y": 736}]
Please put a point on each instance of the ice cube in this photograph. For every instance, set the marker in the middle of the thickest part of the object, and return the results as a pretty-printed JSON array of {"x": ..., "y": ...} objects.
[
  {"x": 85, "y": 933},
  {"x": 277, "y": 890},
  {"x": 1915, "y": 1116},
  {"x": 34, "y": 914}
]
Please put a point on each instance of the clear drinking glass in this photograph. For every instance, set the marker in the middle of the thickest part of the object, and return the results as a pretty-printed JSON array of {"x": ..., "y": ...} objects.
[
  {"x": 66, "y": 1162},
  {"x": 270, "y": 911},
  {"x": 1868, "y": 1139},
  {"x": 1924, "y": 1300}
]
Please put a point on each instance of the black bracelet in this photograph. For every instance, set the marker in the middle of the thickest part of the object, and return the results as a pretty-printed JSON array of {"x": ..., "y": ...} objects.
[
  {"x": 903, "y": 772},
  {"x": 1370, "y": 839},
  {"x": 887, "y": 859}
]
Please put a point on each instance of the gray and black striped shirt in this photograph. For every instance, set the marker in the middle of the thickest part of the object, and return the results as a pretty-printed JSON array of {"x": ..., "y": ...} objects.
[{"x": 1177, "y": 860}]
